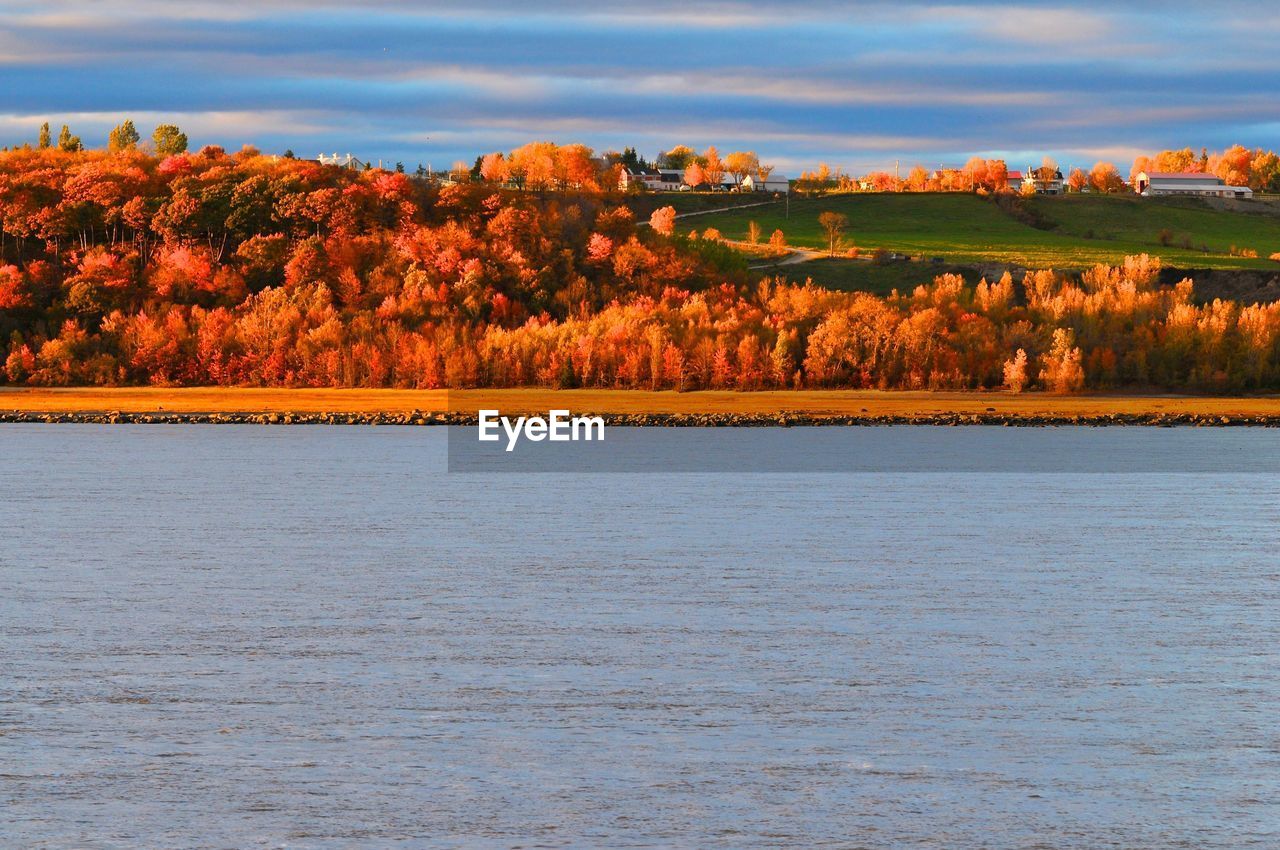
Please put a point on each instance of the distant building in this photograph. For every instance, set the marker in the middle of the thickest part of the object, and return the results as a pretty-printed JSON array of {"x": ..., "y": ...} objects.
[
  {"x": 1152, "y": 183},
  {"x": 653, "y": 179},
  {"x": 774, "y": 183},
  {"x": 1015, "y": 181},
  {"x": 672, "y": 180},
  {"x": 1048, "y": 180},
  {"x": 347, "y": 161},
  {"x": 950, "y": 179}
]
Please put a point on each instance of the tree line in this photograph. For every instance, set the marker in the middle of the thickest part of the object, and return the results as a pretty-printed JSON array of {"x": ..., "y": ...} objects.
[{"x": 215, "y": 268}]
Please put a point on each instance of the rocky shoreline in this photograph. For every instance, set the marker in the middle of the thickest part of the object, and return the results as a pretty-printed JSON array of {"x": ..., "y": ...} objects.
[{"x": 651, "y": 420}]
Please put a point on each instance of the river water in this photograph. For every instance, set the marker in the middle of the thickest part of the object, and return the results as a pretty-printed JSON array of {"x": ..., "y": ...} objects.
[{"x": 316, "y": 637}]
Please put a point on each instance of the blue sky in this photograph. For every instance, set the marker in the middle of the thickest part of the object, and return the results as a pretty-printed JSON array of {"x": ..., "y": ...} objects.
[{"x": 857, "y": 85}]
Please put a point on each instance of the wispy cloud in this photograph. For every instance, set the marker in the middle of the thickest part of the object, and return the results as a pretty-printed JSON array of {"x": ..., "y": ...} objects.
[{"x": 797, "y": 80}]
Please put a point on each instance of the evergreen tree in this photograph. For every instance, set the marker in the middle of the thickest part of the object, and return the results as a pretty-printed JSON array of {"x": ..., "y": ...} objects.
[
  {"x": 45, "y": 140},
  {"x": 123, "y": 136},
  {"x": 169, "y": 140},
  {"x": 68, "y": 142}
]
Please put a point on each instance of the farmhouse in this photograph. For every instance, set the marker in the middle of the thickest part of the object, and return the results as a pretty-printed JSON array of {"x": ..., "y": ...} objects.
[
  {"x": 653, "y": 179},
  {"x": 1048, "y": 180},
  {"x": 1153, "y": 183},
  {"x": 773, "y": 183},
  {"x": 1015, "y": 181},
  {"x": 347, "y": 161}
]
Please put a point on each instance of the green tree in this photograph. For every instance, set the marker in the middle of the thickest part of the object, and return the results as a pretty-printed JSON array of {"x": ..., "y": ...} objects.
[
  {"x": 45, "y": 140},
  {"x": 68, "y": 142},
  {"x": 123, "y": 136},
  {"x": 168, "y": 139}
]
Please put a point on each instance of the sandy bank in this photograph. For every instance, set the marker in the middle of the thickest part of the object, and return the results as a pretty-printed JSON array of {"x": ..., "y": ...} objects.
[{"x": 623, "y": 407}]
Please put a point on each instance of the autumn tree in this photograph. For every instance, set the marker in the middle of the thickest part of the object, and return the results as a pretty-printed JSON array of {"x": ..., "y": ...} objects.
[
  {"x": 124, "y": 136},
  {"x": 1062, "y": 372},
  {"x": 741, "y": 164},
  {"x": 977, "y": 174},
  {"x": 753, "y": 232},
  {"x": 694, "y": 175},
  {"x": 1015, "y": 372},
  {"x": 575, "y": 167},
  {"x": 1233, "y": 165},
  {"x": 917, "y": 179},
  {"x": 169, "y": 140},
  {"x": 834, "y": 224},
  {"x": 677, "y": 158},
  {"x": 1106, "y": 179},
  {"x": 534, "y": 165},
  {"x": 663, "y": 220},
  {"x": 1077, "y": 180},
  {"x": 493, "y": 168},
  {"x": 713, "y": 168}
]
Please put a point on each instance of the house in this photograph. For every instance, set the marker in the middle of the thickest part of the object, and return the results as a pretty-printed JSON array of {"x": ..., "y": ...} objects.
[
  {"x": 1015, "y": 180},
  {"x": 347, "y": 161},
  {"x": 949, "y": 179},
  {"x": 1048, "y": 180},
  {"x": 653, "y": 179},
  {"x": 1149, "y": 184},
  {"x": 633, "y": 177},
  {"x": 773, "y": 183}
]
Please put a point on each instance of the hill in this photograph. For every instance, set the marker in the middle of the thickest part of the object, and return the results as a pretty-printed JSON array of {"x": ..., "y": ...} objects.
[
  {"x": 1067, "y": 232},
  {"x": 214, "y": 269}
]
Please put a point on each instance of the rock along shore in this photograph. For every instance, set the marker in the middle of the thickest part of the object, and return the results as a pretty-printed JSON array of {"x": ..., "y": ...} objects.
[{"x": 662, "y": 420}]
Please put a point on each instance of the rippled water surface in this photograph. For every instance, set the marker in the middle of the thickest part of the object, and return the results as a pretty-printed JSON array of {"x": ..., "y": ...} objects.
[{"x": 314, "y": 637}]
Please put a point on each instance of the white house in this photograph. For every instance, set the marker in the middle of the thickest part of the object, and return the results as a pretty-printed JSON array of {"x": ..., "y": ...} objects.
[
  {"x": 773, "y": 183},
  {"x": 653, "y": 179},
  {"x": 347, "y": 161},
  {"x": 1048, "y": 180},
  {"x": 1015, "y": 180},
  {"x": 1149, "y": 184}
]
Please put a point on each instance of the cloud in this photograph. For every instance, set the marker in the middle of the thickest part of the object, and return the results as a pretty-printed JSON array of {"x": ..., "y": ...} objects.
[{"x": 859, "y": 83}]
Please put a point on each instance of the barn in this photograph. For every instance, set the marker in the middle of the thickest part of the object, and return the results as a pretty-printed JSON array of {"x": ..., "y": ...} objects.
[{"x": 1155, "y": 183}]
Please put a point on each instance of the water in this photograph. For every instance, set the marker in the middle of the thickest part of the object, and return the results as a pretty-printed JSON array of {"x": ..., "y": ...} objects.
[{"x": 312, "y": 637}]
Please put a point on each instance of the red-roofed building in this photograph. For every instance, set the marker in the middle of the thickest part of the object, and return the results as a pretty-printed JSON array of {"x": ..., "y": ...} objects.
[{"x": 1015, "y": 181}]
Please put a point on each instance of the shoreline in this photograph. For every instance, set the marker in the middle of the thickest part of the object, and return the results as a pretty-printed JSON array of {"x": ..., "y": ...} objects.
[{"x": 639, "y": 408}]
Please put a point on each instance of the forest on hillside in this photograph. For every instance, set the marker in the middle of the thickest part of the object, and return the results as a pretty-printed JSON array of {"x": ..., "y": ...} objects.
[{"x": 208, "y": 268}]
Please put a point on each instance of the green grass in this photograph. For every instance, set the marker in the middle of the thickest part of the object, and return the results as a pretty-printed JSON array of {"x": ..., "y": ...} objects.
[
  {"x": 644, "y": 204},
  {"x": 1140, "y": 220},
  {"x": 968, "y": 230},
  {"x": 860, "y": 276}
]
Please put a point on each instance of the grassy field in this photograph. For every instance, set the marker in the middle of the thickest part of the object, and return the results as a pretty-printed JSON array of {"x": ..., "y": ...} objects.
[
  {"x": 861, "y": 276},
  {"x": 205, "y": 400},
  {"x": 1188, "y": 221},
  {"x": 643, "y": 205},
  {"x": 968, "y": 230}
]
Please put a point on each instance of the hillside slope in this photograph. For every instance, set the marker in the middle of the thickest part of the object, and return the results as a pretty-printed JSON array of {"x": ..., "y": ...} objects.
[{"x": 1073, "y": 232}]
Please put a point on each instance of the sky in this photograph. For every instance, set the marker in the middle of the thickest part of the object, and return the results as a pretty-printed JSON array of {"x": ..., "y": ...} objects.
[{"x": 856, "y": 85}]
